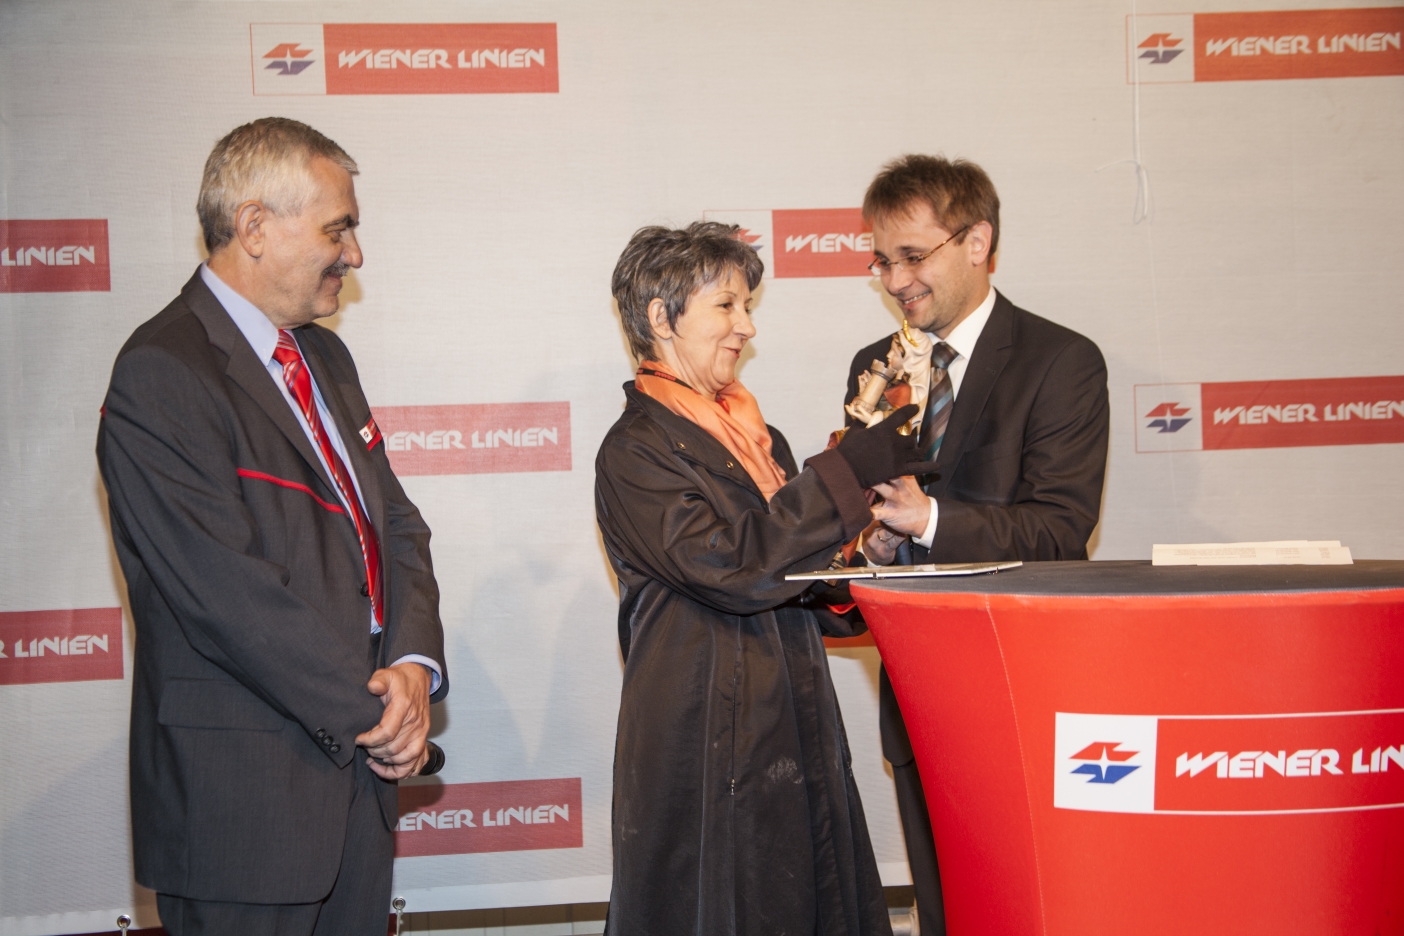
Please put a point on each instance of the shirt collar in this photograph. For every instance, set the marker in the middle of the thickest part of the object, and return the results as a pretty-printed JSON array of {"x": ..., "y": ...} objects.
[
  {"x": 963, "y": 337},
  {"x": 258, "y": 331}
]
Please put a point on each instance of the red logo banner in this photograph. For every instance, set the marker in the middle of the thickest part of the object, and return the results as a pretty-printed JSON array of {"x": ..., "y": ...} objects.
[
  {"x": 54, "y": 256},
  {"x": 446, "y": 58},
  {"x": 1285, "y": 413},
  {"x": 1308, "y": 762},
  {"x": 476, "y": 438},
  {"x": 467, "y": 818},
  {"x": 1298, "y": 44},
  {"x": 821, "y": 242},
  {"x": 69, "y": 645}
]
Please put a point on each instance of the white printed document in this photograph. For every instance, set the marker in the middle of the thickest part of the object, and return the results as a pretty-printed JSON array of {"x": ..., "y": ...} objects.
[{"x": 1279, "y": 552}]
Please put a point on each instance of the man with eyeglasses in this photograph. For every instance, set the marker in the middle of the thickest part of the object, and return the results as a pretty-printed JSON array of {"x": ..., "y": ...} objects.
[{"x": 1014, "y": 413}]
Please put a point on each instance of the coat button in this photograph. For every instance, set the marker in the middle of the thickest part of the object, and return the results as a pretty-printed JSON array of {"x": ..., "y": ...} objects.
[
  {"x": 328, "y": 740},
  {"x": 681, "y": 446},
  {"x": 335, "y": 748},
  {"x": 321, "y": 732},
  {"x": 365, "y": 589},
  {"x": 730, "y": 465}
]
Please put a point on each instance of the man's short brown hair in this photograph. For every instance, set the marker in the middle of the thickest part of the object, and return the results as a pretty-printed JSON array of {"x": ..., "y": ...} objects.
[{"x": 959, "y": 193}]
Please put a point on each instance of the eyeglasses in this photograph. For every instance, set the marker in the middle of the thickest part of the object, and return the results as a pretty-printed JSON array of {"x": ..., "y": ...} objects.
[{"x": 884, "y": 267}]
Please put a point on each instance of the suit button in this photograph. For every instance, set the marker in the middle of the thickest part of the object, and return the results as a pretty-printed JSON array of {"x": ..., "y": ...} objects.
[
  {"x": 731, "y": 464},
  {"x": 328, "y": 740},
  {"x": 365, "y": 589},
  {"x": 321, "y": 732},
  {"x": 335, "y": 748},
  {"x": 681, "y": 446}
]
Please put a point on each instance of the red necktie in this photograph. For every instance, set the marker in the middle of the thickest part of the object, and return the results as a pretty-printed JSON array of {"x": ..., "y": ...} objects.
[{"x": 299, "y": 383}]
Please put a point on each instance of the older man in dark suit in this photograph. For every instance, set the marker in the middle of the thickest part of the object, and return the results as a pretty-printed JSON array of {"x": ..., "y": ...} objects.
[
  {"x": 1014, "y": 414},
  {"x": 288, "y": 642}
]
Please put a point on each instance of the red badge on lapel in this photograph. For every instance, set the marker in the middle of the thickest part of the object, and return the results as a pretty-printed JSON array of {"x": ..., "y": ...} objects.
[{"x": 370, "y": 432}]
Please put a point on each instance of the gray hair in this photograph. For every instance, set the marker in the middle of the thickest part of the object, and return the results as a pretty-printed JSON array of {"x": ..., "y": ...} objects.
[
  {"x": 268, "y": 161},
  {"x": 661, "y": 263}
]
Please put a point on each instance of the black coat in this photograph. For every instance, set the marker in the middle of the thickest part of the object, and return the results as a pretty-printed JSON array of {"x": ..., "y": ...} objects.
[
  {"x": 252, "y": 631},
  {"x": 1019, "y": 474},
  {"x": 735, "y": 808}
]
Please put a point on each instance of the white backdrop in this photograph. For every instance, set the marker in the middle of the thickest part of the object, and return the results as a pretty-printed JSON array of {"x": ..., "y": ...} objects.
[{"x": 491, "y": 223}]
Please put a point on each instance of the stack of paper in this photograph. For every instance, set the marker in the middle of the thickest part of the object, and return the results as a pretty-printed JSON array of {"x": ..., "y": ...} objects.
[{"x": 1281, "y": 552}]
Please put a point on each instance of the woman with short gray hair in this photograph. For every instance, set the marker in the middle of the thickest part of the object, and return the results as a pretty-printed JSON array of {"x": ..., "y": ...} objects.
[{"x": 735, "y": 808}]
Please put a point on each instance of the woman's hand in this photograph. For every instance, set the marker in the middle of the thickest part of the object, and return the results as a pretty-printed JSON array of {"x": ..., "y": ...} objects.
[
  {"x": 880, "y": 453},
  {"x": 905, "y": 507},
  {"x": 880, "y": 544}
]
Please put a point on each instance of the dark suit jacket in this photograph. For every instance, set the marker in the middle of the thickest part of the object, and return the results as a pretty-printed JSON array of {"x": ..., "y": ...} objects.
[
  {"x": 245, "y": 580},
  {"x": 1019, "y": 474}
]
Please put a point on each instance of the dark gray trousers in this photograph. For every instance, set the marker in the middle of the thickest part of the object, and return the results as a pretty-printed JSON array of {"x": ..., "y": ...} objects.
[
  {"x": 921, "y": 850},
  {"x": 358, "y": 905}
]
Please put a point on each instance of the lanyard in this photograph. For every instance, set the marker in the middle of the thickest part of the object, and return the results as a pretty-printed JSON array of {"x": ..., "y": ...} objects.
[{"x": 650, "y": 372}]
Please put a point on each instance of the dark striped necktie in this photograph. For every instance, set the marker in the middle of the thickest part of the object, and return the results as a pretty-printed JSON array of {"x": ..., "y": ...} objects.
[
  {"x": 299, "y": 382},
  {"x": 938, "y": 401}
]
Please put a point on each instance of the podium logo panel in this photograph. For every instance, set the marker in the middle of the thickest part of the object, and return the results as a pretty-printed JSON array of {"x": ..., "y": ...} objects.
[
  {"x": 1291, "y": 763},
  {"x": 469, "y": 818},
  {"x": 1230, "y": 764},
  {"x": 1104, "y": 763}
]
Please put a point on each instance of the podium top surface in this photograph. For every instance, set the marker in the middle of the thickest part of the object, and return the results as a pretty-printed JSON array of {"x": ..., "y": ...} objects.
[{"x": 1123, "y": 577}]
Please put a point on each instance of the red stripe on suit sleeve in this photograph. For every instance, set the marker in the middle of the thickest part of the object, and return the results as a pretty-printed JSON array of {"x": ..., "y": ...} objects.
[{"x": 293, "y": 485}]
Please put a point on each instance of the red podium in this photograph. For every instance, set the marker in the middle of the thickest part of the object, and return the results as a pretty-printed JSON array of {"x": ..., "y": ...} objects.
[{"x": 1109, "y": 746}]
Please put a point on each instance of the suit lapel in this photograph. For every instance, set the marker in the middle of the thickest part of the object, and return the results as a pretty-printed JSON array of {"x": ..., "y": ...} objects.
[
  {"x": 249, "y": 373},
  {"x": 366, "y": 475},
  {"x": 986, "y": 363}
]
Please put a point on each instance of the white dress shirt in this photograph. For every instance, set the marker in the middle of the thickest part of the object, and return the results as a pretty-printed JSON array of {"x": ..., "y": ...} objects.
[
  {"x": 262, "y": 336},
  {"x": 962, "y": 341}
]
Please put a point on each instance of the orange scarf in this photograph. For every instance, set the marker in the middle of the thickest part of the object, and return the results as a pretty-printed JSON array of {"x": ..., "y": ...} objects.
[{"x": 733, "y": 419}]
